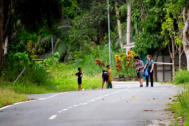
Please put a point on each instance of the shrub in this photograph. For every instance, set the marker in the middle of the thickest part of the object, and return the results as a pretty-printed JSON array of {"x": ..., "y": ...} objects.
[
  {"x": 14, "y": 65},
  {"x": 54, "y": 59},
  {"x": 37, "y": 73},
  {"x": 181, "y": 77}
]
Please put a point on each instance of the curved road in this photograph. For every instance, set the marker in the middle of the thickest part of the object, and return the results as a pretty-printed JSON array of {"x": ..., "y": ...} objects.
[{"x": 125, "y": 105}]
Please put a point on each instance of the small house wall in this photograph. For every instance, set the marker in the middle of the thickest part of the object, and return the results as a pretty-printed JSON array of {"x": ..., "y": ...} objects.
[{"x": 164, "y": 72}]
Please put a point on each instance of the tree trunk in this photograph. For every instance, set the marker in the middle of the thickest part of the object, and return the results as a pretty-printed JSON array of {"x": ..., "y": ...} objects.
[
  {"x": 186, "y": 50},
  {"x": 118, "y": 25},
  {"x": 173, "y": 57},
  {"x": 142, "y": 13},
  {"x": 180, "y": 56},
  {"x": 1, "y": 30},
  {"x": 128, "y": 22},
  {"x": 185, "y": 41}
]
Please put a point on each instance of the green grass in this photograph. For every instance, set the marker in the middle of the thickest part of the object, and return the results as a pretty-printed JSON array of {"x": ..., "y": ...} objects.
[
  {"x": 9, "y": 96},
  {"x": 182, "y": 76},
  {"x": 64, "y": 78},
  {"x": 61, "y": 78},
  {"x": 181, "y": 106}
]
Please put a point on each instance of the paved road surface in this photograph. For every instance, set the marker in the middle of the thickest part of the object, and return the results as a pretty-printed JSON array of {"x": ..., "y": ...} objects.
[{"x": 125, "y": 105}]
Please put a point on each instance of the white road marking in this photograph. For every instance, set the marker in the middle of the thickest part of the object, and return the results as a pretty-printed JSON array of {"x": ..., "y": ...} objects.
[
  {"x": 52, "y": 96},
  {"x": 52, "y": 117},
  {"x": 84, "y": 103},
  {"x": 8, "y": 106},
  {"x": 62, "y": 110},
  {"x": 92, "y": 100},
  {"x": 40, "y": 99},
  {"x": 75, "y": 105}
]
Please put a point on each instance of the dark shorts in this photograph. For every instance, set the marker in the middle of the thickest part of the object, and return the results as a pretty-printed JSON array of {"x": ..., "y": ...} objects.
[
  {"x": 109, "y": 84},
  {"x": 140, "y": 75},
  {"x": 105, "y": 79},
  {"x": 79, "y": 81}
]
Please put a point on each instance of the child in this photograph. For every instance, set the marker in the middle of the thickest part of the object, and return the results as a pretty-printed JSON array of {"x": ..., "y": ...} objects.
[
  {"x": 104, "y": 78},
  {"x": 109, "y": 77},
  {"x": 79, "y": 75}
]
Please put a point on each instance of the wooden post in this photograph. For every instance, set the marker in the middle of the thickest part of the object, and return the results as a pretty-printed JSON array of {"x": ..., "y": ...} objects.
[
  {"x": 155, "y": 72},
  {"x": 163, "y": 68}
]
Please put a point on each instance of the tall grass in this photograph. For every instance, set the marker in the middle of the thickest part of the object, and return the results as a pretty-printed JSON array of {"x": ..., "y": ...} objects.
[
  {"x": 64, "y": 78},
  {"x": 9, "y": 96},
  {"x": 87, "y": 62},
  {"x": 56, "y": 77},
  {"x": 182, "y": 76},
  {"x": 181, "y": 106}
]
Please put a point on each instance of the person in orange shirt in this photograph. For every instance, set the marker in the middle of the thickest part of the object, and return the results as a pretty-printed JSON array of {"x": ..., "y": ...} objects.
[{"x": 109, "y": 77}]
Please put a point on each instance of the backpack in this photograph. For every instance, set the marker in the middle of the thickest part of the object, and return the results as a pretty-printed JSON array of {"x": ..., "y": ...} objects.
[{"x": 145, "y": 73}]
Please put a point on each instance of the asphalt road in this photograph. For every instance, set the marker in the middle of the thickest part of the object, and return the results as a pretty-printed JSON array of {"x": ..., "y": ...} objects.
[{"x": 125, "y": 105}]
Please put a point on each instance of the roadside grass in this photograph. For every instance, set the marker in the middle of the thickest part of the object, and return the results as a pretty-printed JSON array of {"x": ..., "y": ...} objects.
[
  {"x": 9, "y": 96},
  {"x": 64, "y": 78},
  {"x": 180, "y": 107},
  {"x": 61, "y": 77},
  {"x": 58, "y": 77}
]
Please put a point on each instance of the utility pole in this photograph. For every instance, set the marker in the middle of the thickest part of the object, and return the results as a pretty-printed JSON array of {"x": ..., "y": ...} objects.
[{"x": 109, "y": 32}]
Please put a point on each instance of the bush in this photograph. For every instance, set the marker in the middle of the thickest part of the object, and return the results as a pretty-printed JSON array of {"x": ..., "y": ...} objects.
[
  {"x": 54, "y": 59},
  {"x": 181, "y": 77},
  {"x": 37, "y": 73},
  {"x": 14, "y": 65}
]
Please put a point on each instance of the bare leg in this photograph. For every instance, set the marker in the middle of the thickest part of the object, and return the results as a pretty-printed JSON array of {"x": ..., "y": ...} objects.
[
  {"x": 79, "y": 87},
  {"x": 106, "y": 84},
  {"x": 102, "y": 84},
  {"x": 141, "y": 81}
]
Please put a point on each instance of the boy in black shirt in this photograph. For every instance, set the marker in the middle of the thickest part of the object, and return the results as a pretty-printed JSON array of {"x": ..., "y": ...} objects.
[
  {"x": 105, "y": 77},
  {"x": 79, "y": 75}
]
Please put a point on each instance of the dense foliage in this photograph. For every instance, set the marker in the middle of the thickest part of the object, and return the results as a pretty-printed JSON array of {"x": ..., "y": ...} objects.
[{"x": 77, "y": 31}]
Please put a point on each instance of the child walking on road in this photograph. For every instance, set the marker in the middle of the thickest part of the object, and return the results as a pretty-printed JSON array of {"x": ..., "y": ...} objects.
[
  {"x": 109, "y": 77},
  {"x": 79, "y": 75},
  {"x": 105, "y": 77}
]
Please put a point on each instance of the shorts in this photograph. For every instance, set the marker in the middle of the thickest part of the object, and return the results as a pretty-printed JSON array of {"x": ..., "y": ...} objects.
[
  {"x": 109, "y": 84},
  {"x": 140, "y": 75},
  {"x": 105, "y": 79},
  {"x": 79, "y": 81}
]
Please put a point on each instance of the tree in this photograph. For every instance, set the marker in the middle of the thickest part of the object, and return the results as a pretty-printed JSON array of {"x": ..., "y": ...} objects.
[
  {"x": 128, "y": 34},
  {"x": 186, "y": 32},
  {"x": 147, "y": 19},
  {"x": 118, "y": 24},
  {"x": 1, "y": 29}
]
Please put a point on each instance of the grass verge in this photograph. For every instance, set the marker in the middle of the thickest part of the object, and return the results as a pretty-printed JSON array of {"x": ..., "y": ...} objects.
[
  {"x": 61, "y": 77},
  {"x": 9, "y": 96},
  {"x": 181, "y": 105}
]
